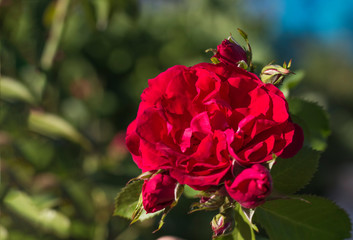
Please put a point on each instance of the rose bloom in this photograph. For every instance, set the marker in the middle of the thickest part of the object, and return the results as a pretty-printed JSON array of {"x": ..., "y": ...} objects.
[
  {"x": 251, "y": 186},
  {"x": 197, "y": 121},
  {"x": 158, "y": 192},
  {"x": 230, "y": 53}
]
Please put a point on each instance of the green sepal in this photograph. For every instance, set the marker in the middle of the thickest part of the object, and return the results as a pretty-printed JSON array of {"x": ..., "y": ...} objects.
[
  {"x": 146, "y": 175},
  {"x": 214, "y": 201},
  {"x": 249, "y": 50},
  {"x": 271, "y": 162},
  {"x": 138, "y": 211},
  {"x": 242, "y": 64},
  {"x": 215, "y": 60},
  {"x": 214, "y": 51},
  {"x": 243, "y": 34}
]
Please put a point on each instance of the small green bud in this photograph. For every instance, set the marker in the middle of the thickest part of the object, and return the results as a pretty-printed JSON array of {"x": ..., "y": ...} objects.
[{"x": 274, "y": 74}]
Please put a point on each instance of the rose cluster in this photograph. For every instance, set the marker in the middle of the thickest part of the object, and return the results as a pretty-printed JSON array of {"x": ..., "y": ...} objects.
[{"x": 211, "y": 126}]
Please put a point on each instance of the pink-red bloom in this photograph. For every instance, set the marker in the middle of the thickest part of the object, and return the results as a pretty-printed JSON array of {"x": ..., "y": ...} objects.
[
  {"x": 251, "y": 186},
  {"x": 196, "y": 122},
  {"x": 158, "y": 192}
]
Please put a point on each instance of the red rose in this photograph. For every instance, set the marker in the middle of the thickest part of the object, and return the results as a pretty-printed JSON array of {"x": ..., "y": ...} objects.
[
  {"x": 230, "y": 53},
  {"x": 251, "y": 186},
  {"x": 158, "y": 192},
  {"x": 196, "y": 121}
]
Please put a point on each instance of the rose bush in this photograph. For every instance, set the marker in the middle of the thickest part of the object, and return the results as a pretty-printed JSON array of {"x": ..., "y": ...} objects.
[
  {"x": 219, "y": 129},
  {"x": 251, "y": 186},
  {"x": 199, "y": 122}
]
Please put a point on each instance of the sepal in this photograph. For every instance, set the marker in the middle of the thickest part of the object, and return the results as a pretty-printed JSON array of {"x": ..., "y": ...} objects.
[
  {"x": 209, "y": 202},
  {"x": 138, "y": 211},
  {"x": 145, "y": 175},
  {"x": 249, "y": 50}
]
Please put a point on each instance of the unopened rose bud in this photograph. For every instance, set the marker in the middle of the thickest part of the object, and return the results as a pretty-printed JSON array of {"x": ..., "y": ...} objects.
[
  {"x": 274, "y": 74},
  {"x": 222, "y": 224},
  {"x": 158, "y": 192},
  {"x": 230, "y": 53},
  {"x": 251, "y": 187}
]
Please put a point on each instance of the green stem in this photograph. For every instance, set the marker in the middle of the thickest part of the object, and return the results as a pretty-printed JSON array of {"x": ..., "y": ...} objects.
[{"x": 56, "y": 30}]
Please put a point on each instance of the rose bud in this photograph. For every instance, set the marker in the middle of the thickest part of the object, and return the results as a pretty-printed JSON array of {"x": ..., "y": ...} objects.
[
  {"x": 158, "y": 192},
  {"x": 221, "y": 224},
  {"x": 230, "y": 53},
  {"x": 251, "y": 186},
  {"x": 274, "y": 74}
]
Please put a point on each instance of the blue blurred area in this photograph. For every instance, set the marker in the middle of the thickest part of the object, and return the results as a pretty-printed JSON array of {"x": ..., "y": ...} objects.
[{"x": 326, "y": 21}]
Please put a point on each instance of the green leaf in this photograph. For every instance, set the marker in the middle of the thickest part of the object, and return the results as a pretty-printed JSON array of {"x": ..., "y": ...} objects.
[
  {"x": 127, "y": 200},
  {"x": 314, "y": 121},
  {"x": 285, "y": 171},
  {"x": 54, "y": 126},
  {"x": 13, "y": 89},
  {"x": 47, "y": 219},
  {"x": 292, "y": 219}
]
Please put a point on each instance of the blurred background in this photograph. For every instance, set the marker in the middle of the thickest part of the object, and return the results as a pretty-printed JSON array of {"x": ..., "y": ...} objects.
[{"x": 72, "y": 72}]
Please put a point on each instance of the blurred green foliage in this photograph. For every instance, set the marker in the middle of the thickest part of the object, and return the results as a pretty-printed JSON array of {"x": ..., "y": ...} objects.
[{"x": 72, "y": 72}]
